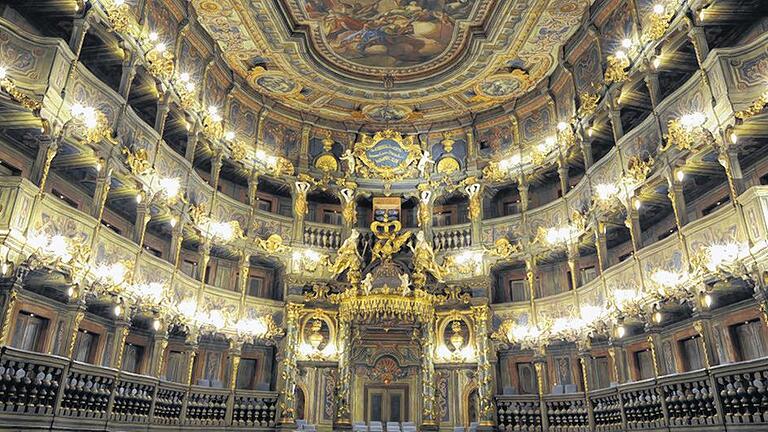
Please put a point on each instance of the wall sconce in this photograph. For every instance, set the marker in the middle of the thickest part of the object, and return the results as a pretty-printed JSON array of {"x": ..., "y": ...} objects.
[
  {"x": 659, "y": 22},
  {"x": 160, "y": 61},
  {"x": 688, "y": 131},
  {"x": 308, "y": 259},
  {"x": 616, "y": 70},
  {"x": 8, "y": 86}
]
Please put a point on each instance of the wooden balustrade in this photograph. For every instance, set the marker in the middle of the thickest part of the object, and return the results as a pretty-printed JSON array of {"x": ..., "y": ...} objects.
[
  {"x": 322, "y": 236},
  {"x": 452, "y": 237},
  {"x": 727, "y": 397},
  {"x": 38, "y": 390}
]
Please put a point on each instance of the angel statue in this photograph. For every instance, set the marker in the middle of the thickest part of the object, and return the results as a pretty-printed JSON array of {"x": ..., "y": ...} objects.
[
  {"x": 349, "y": 158},
  {"x": 348, "y": 258},
  {"x": 405, "y": 282},
  {"x": 367, "y": 284},
  {"x": 425, "y": 162},
  {"x": 424, "y": 262}
]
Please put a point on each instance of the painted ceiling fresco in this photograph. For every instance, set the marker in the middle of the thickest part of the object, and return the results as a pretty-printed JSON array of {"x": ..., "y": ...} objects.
[
  {"x": 390, "y": 61},
  {"x": 388, "y": 33}
]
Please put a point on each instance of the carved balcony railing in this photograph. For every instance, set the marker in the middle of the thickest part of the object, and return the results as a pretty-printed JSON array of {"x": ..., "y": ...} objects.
[
  {"x": 452, "y": 237},
  {"x": 38, "y": 390},
  {"x": 322, "y": 235},
  {"x": 727, "y": 397}
]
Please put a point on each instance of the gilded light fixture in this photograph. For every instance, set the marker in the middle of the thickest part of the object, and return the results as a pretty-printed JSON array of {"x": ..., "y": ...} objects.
[
  {"x": 187, "y": 91},
  {"x": 91, "y": 123},
  {"x": 58, "y": 252},
  {"x": 213, "y": 128},
  {"x": 160, "y": 61},
  {"x": 659, "y": 22},
  {"x": 616, "y": 70},
  {"x": 308, "y": 260},
  {"x": 120, "y": 17},
  {"x": 587, "y": 104},
  {"x": 688, "y": 132},
  {"x": 8, "y": 86}
]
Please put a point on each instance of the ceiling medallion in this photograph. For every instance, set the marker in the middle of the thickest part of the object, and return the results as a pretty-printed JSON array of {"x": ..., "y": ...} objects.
[
  {"x": 274, "y": 83},
  {"x": 387, "y": 113},
  {"x": 503, "y": 86},
  {"x": 387, "y": 155}
]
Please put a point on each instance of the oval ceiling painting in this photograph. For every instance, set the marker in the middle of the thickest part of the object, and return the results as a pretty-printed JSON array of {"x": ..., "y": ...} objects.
[{"x": 387, "y": 33}]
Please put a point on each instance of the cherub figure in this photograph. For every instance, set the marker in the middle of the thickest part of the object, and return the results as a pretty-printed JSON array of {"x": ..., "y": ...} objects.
[
  {"x": 425, "y": 164},
  {"x": 349, "y": 158}
]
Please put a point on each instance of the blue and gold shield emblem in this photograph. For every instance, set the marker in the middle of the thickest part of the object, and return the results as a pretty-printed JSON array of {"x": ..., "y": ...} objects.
[{"x": 387, "y": 154}]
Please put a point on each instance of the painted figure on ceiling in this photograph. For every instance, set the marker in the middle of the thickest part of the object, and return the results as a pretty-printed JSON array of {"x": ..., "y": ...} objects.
[{"x": 387, "y": 33}]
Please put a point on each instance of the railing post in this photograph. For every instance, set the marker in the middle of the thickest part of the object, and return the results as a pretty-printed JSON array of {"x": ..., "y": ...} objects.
[
  {"x": 540, "y": 364},
  {"x": 151, "y": 415},
  {"x": 623, "y": 412},
  {"x": 585, "y": 359},
  {"x": 184, "y": 402},
  {"x": 61, "y": 389}
]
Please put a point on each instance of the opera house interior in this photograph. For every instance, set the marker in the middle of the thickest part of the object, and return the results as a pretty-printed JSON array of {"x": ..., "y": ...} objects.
[{"x": 384, "y": 215}]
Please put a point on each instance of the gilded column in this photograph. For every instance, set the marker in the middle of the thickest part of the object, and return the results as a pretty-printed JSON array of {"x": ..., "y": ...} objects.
[
  {"x": 288, "y": 374},
  {"x": 233, "y": 362},
  {"x": 73, "y": 317},
  {"x": 101, "y": 192},
  {"x": 475, "y": 194},
  {"x": 190, "y": 352},
  {"x": 177, "y": 238},
  {"x": 586, "y": 364},
  {"x": 428, "y": 414},
  {"x": 9, "y": 311},
  {"x": 344, "y": 381},
  {"x": 142, "y": 219},
  {"x": 46, "y": 151},
  {"x": 122, "y": 327},
  {"x": 159, "y": 344},
  {"x": 486, "y": 414},
  {"x": 540, "y": 364}
]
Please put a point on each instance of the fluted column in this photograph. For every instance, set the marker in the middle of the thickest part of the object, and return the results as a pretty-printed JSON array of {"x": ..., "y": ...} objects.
[
  {"x": 142, "y": 219},
  {"x": 586, "y": 151},
  {"x": 9, "y": 297},
  {"x": 562, "y": 172},
  {"x": 177, "y": 238},
  {"x": 677, "y": 198},
  {"x": 73, "y": 316},
  {"x": 204, "y": 255},
  {"x": 485, "y": 391},
  {"x": 193, "y": 138},
  {"x": 304, "y": 148},
  {"x": 699, "y": 40},
  {"x": 234, "y": 353},
  {"x": 654, "y": 89},
  {"x": 729, "y": 160},
  {"x": 343, "y": 418},
  {"x": 122, "y": 327},
  {"x": 128, "y": 73},
  {"x": 159, "y": 345},
  {"x": 540, "y": 365},
  {"x": 163, "y": 108},
  {"x": 614, "y": 114},
  {"x": 522, "y": 189},
  {"x": 586, "y": 366},
  {"x": 190, "y": 352},
  {"x": 428, "y": 389},
  {"x": 601, "y": 246},
  {"x": 46, "y": 151},
  {"x": 101, "y": 192},
  {"x": 288, "y": 373},
  {"x": 573, "y": 265},
  {"x": 632, "y": 222}
]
